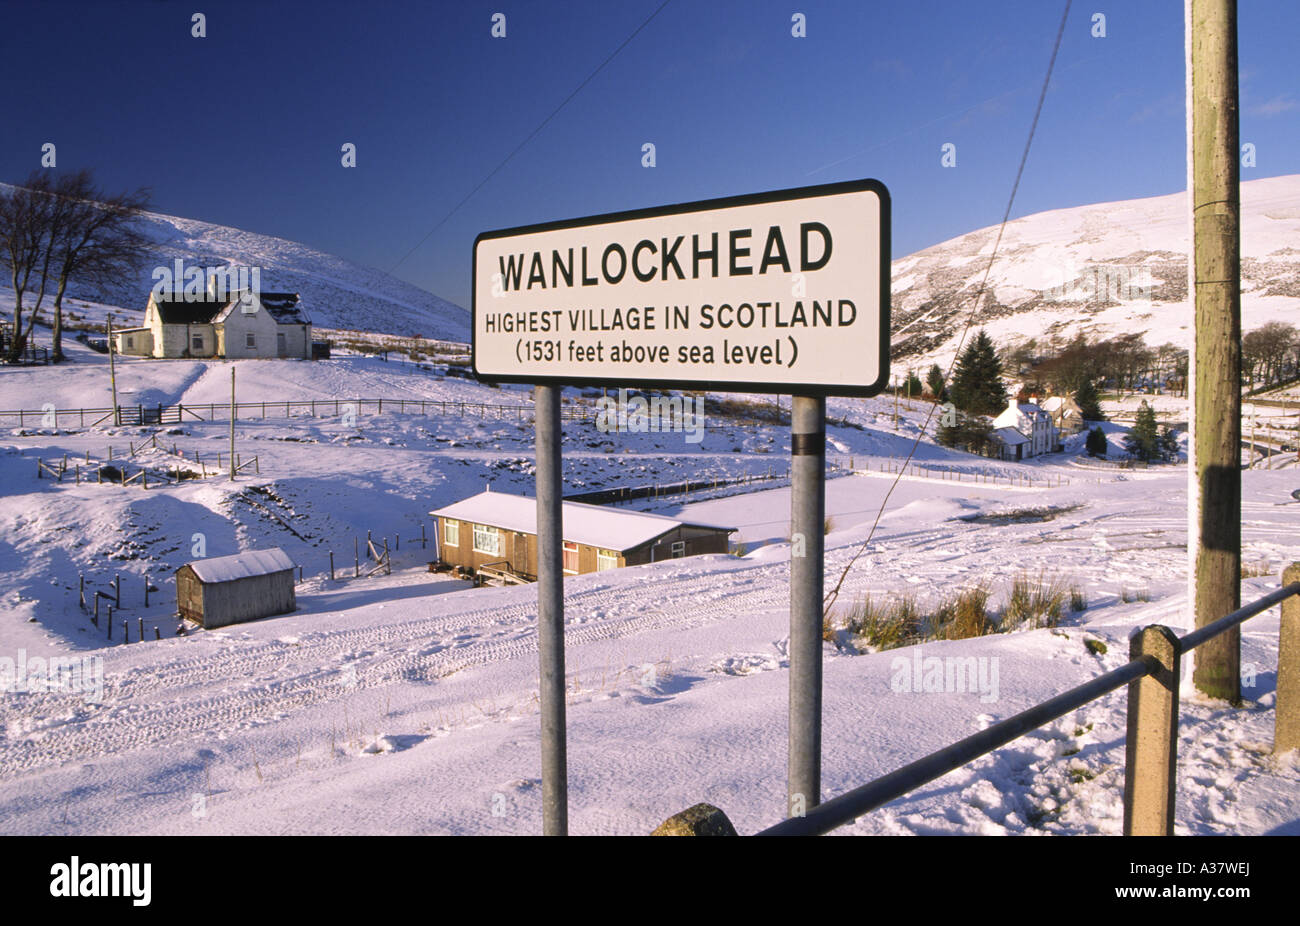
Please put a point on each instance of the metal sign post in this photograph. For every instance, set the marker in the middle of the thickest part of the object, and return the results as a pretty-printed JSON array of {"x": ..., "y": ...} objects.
[
  {"x": 807, "y": 545},
  {"x": 783, "y": 292},
  {"x": 550, "y": 613}
]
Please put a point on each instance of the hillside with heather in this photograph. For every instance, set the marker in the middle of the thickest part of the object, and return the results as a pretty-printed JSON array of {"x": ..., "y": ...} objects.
[{"x": 1104, "y": 271}]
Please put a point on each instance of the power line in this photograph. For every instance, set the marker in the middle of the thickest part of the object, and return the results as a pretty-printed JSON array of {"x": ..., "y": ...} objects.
[
  {"x": 970, "y": 319},
  {"x": 531, "y": 136}
]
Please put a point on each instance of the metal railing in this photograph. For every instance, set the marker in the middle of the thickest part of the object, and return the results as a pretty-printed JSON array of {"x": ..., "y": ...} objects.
[
  {"x": 129, "y": 415},
  {"x": 1151, "y": 740}
]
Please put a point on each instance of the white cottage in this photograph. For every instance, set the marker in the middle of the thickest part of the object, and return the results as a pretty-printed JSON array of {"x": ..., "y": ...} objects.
[
  {"x": 246, "y": 324},
  {"x": 1033, "y": 424},
  {"x": 1066, "y": 414}
]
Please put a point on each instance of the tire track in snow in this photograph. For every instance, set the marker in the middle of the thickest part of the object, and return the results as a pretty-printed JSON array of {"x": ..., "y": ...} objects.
[{"x": 285, "y": 678}]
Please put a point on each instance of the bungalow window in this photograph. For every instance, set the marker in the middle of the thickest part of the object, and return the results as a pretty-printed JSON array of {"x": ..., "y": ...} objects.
[
  {"x": 130, "y": 341},
  {"x": 679, "y": 549},
  {"x": 486, "y": 540},
  {"x": 451, "y": 533},
  {"x": 570, "y": 556},
  {"x": 196, "y": 342},
  {"x": 606, "y": 559},
  {"x": 251, "y": 340}
]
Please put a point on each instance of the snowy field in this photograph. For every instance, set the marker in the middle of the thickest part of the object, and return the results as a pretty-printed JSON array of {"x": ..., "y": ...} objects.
[{"x": 408, "y": 703}]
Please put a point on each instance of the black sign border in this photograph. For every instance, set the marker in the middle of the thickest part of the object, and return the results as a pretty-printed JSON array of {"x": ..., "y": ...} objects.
[{"x": 703, "y": 205}]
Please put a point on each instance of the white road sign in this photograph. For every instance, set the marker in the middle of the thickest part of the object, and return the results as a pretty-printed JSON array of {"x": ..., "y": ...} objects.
[{"x": 776, "y": 292}]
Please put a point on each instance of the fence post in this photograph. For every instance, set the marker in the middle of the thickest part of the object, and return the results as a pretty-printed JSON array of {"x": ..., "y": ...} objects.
[
  {"x": 331, "y": 565},
  {"x": 1151, "y": 742},
  {"x": 1286, "y": 712}
]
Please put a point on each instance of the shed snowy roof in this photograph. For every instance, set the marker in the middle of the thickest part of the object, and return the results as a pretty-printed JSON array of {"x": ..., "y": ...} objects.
[
  {"x": 594, "y": 525},
  {"x": 241, "y": 565}
]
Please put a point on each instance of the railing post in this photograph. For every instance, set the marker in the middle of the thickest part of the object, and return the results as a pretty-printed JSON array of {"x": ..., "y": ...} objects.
[
  {"x": 1286, "y": 714},
  {"x": 1151, "y": 743}
]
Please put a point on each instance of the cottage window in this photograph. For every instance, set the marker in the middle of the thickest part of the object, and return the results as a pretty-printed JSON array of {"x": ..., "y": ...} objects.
[
  {"x": 679, "y": 549},
  {"x": 130, "y": 341},
  {"x": 487, "y": 540},
  {"x": 570, "y": 556},
  {"x": 606, "y": 559},
  {"x": 196, "y": 342},
  {"x": 451, "y": 533},
  {"x": 251, "y": 340}
]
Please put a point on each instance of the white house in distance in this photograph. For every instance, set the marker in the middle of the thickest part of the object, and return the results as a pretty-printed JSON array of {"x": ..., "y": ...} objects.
[
  {"x": 1024, "y": 430},
  {"x": 1066, "y": 414},
  {"x": 238, "y": 325}
]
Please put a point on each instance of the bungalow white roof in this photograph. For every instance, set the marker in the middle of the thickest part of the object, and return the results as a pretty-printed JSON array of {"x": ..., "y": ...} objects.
[
  {"x": 594, "y": 525},
  {"x": 241, "y": 565},
  {"x": 1010, "y": 436}
]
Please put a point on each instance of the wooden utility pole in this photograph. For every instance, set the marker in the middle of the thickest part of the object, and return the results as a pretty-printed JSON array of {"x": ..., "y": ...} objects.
[
  {"x": 232, "y": 422},
  {"x": 112, "y": 369},
  {"x": 1215, "y": 468}
]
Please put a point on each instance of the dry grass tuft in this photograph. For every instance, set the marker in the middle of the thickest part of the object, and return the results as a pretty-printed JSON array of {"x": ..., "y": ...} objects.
[
  {"x": 1035, "y": 601},
  {"x": 963, "y": 616}
]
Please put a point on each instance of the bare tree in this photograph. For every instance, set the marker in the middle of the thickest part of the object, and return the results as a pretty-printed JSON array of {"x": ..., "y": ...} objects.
[
  {"x": 1265, "y": 350},
  {"x": 97, "y": 239},
  {"x": 26, "y": 220}
]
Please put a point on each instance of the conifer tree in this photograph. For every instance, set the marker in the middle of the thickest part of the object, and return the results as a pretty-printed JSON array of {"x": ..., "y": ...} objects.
[
  {"x": 1087, "y": 400},
  {"x": 1143, "y": 439},
  {"x": 977, "y": 386},
  {"x": 934, "y": 379},
  {"x": 1097, "y": 445}
]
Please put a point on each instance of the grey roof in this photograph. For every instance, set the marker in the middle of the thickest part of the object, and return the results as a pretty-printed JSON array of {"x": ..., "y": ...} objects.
[
  {"x": 285, "y": 308},
  {"x": 194, "y": 312}
]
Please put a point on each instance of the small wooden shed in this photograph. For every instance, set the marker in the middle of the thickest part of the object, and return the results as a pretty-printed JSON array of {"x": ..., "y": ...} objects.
[{"x": 233, "y": 589}]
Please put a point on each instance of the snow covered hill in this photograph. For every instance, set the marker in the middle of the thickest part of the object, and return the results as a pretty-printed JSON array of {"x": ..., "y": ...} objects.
[
  {"x": 338, "y": 293},
  {"x": 1106, "y": 269}
]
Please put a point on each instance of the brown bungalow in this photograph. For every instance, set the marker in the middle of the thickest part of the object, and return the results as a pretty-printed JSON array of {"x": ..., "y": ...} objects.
[{"x": 494, "y": 534}]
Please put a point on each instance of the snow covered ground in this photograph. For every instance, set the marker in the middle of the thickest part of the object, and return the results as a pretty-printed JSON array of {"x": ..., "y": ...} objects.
[{"x": 407, "y": 703}]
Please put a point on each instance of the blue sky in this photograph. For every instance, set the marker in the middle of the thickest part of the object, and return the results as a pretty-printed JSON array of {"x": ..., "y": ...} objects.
[{"x": 244, "y": 127}]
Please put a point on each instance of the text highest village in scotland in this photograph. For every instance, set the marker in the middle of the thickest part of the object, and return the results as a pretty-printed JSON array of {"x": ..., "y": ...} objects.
[{"x": 667, "y": 260}]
